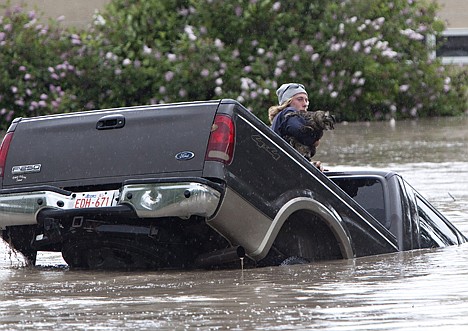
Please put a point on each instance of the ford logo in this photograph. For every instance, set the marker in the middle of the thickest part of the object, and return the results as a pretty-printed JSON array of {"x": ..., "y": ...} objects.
[{"x": 184, "y": 156}]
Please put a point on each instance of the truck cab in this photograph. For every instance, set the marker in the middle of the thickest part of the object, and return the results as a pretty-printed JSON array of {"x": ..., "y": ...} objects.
[{"x": 401, "y": 209}]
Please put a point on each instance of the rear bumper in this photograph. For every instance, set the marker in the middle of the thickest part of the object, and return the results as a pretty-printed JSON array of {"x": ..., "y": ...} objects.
[{"x": 146, "y": 199}]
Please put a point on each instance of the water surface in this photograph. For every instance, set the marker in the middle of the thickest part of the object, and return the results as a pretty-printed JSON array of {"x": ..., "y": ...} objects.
[{"x": 418, "y": 290}]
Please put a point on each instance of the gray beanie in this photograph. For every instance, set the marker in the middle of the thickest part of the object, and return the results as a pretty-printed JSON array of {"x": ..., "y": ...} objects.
[{"x": 289, "y": 90}]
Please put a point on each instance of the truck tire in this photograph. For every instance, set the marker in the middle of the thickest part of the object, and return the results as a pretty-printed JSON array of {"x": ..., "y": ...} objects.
[
  {"x": 20, "y": 238},
  {"x": 293, "y": 260},
  {"x": 304, "y": 238}
]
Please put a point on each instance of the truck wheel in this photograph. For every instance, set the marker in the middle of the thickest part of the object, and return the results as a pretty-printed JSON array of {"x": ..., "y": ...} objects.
[
  {"x": 296, "y": 242},
  {"x": 293, "y": 260},
  {"x": 305, "y": 238},
  {"x": 20, "y": 239}
]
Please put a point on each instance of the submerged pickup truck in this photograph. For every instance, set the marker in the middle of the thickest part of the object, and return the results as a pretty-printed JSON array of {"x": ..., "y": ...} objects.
[{"x": 193, "y": 185}]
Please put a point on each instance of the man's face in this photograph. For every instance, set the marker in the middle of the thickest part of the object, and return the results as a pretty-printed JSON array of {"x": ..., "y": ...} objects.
[{"x": 300, "y": 101}]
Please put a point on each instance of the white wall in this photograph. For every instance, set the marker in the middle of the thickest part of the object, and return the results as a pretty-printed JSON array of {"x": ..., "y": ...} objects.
[
  {"x": 454, "y": 12},
  {"x": 77, "y": 13}
]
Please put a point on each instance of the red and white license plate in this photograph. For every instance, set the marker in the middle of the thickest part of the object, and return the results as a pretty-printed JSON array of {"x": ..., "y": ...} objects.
[{"x": 94, "y": 199}]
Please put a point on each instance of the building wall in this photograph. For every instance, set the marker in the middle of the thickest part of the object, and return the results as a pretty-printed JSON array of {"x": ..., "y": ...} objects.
[
  {"x": 455, "y": 13},
  {"x": 80, "y": 12},
  {"x": 77, "y": 13}
]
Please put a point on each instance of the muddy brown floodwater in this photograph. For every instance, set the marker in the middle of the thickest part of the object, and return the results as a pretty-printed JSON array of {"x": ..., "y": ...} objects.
[{"x": 418, "y": 290}]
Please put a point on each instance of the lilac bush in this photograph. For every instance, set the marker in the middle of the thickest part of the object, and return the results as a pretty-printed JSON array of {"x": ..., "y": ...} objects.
[
  {"x": 34, "y": 70},
  {"x": 362, "y": 60},
  {"x": 385, "y": 44}
]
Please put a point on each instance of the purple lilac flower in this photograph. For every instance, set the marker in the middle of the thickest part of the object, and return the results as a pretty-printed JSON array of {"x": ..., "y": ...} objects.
[
  {"x": 361, "y": 27},
  {"x": 389, "y": 53},
  {"x": 189, "y": 31},
  {"x": 218, "y": 43},
  {"x": 309, "y": 48},
  {"x": 413, "y": 35},
  {"x": 147, "y": 50},
  {"x": 404, "y": 88},
  {"x": 9, "y": 116},
  {"x": 168, "y": 76},
  {"x": 315, "y": 57}
]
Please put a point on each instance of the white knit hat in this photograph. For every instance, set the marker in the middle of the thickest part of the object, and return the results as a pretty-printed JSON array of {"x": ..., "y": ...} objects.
[{"x": 289, "y": 90}]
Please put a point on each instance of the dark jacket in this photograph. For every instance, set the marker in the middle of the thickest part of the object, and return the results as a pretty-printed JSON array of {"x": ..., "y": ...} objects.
[{"x": 292, "y": 126}]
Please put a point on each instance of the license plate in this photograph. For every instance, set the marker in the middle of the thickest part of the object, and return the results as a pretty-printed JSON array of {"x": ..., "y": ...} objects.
[{"x": 94, "y": 199}]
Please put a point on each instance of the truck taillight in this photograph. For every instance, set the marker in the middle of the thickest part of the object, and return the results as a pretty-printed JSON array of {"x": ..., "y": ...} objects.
[
  {"x": 4, "y": 151},
  {"x": 221, "y": 143}
]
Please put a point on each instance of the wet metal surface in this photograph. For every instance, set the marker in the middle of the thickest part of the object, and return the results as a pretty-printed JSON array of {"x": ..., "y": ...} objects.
[{"x": 418, "y": 290}]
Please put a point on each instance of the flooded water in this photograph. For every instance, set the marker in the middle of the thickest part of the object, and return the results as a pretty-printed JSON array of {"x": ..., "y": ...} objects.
[{"x": 418, "y": 290}]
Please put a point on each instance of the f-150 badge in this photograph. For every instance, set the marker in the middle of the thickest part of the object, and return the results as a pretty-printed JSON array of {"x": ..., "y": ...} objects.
[{"x": 26, "y": 169}]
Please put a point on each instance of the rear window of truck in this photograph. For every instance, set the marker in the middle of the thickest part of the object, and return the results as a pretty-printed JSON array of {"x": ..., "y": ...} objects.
[{"x": 368, "y": 192}]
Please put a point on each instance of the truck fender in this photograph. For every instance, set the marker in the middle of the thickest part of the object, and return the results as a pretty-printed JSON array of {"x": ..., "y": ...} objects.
[{"x": 330, "y": 217}]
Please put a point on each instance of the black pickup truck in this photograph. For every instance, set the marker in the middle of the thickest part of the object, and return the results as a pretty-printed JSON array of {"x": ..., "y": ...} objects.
[{"x": 194, "y": 185}]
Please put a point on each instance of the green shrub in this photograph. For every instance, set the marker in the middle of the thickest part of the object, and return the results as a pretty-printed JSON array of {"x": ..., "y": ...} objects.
[
  {"x": 363, "y": 60},
  {"x": 33, "y": 66}
]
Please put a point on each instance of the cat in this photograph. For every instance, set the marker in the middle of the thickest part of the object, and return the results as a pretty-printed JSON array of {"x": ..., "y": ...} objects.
[{"x": 316, "y": 121}]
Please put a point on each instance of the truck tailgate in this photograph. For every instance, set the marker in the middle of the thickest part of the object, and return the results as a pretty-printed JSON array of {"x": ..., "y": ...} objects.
[{"x": 112, "y": 145}]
